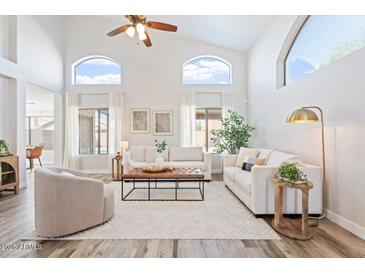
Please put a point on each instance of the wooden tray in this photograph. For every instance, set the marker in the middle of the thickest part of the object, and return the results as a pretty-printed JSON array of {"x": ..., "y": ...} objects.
[{"x": 157, "y": 169}]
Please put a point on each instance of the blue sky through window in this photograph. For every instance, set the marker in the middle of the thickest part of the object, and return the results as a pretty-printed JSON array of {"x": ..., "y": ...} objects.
[
  {"x": 322, "y": 40},
  {"x": 98, "y": 71},
  {"x": 206, "y": 70}
]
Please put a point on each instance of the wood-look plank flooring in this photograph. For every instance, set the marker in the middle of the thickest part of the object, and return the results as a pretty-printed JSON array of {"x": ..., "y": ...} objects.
[{"x": 17, "y": 218}]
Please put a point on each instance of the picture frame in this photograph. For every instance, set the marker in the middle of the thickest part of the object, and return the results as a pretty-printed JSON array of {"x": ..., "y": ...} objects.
[
  {"x": 140, "y": 121},
  {"x": 162, "y": 122}
]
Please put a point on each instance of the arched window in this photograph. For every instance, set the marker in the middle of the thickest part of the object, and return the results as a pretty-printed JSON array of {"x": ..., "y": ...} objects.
[
  {"x": 96, "y": 70},
  {"x": 207, "y": 70},
  {"x": 323, "y": 39}
]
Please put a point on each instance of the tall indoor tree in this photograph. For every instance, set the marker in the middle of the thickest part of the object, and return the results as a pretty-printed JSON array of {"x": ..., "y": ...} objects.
[{"x": 234, "y": 133}]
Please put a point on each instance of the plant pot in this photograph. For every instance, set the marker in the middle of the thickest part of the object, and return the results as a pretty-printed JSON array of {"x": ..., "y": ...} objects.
[
  {"x": 159, "y": 160},
  {"x": 4, "y": 151}
]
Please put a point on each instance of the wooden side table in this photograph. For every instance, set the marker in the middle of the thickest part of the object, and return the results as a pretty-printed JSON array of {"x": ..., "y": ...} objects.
[
  {"x": 118, "y": 173},
  {"x": 9, "y": 173},
  {"x": 285, "y": 226}
]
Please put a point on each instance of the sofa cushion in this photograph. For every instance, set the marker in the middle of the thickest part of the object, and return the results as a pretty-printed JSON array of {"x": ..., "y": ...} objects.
[
  {"x": 151, "y": 154},
  {"x": 136, "y": 164},
  {"x": 243, "y": 179},
  {"x": 231, "y": 171},
  {"x": 278, "y": 157},
  {"x": 186, "y": 154},
  {"x": 244, "y": 152},
  {"x": 138, "y": 154},
  {"x": 189, "y": 164}
]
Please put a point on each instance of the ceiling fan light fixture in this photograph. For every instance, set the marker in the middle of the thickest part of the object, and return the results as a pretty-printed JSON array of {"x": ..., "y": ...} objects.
[
  {"x": 138, "y": 24},
  {"x": 142, "y": 36},
  {"x": 130, "y": 31},
  {"x": 140, "y": 28}
]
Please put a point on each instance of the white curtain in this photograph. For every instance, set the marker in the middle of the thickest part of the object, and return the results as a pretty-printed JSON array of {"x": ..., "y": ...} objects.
[
  {"x": 71, "y": 148},
  {"x": 187, "y": 119},
  {"x": 115, "y": 123},
  {"x": 227, "y": 103}
]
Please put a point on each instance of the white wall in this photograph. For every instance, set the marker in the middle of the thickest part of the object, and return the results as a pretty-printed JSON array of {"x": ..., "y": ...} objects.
[
  {"x": 151, "y": 77},
  {"x": 2, "y": 101},
  {"x": 30, "y": 52},
  {"x": 40, "y": 46},
  {"x": 339, "y": 90}
]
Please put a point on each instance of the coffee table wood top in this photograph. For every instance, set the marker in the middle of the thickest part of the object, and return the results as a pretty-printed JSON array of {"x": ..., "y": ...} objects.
[{"x": 177, "y": 173}]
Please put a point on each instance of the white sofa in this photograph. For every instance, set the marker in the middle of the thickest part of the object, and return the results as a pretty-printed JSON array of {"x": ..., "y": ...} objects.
[
  {"x": 256, "y": 189},
  {"x": 188, "y": 157}
]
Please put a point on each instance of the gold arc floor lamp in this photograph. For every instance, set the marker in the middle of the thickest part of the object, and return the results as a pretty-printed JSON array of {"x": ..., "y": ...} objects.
[{"x": 307, "y": 115}]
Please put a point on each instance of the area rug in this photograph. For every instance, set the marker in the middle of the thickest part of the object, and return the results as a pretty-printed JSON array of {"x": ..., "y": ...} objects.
[{"x": 220, "y": 216}]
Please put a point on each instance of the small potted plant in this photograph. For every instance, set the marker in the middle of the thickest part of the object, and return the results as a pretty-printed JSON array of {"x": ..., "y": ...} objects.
[
  {"x": 290, "y": 173},
  {"x": 4, "y": 148},
  {"x": 161, "y": 147}
]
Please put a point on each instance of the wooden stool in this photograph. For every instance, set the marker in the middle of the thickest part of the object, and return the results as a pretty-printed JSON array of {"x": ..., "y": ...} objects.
[
  {"x": 117, "y": 175},
  {"x": 285, "y": 226}
]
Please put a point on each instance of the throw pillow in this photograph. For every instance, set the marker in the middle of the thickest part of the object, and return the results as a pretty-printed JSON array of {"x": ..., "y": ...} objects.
[
  {"x": 264, "y": 154},
  {"x": 138, "y": 154},
  {"x": 260, "y": 161},
  {"x": 251, "y": 152},
  {"x": 248, "y": 163}
]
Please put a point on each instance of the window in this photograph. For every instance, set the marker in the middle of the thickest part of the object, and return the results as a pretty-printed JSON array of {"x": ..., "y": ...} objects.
[
  {"x": 40, "y": 131},
  {"x": 206, "y": 70},
  {"x": 322, "y": 40},
  {"x": 97, "y": 71},
  {"x": 93, "y": 131},
  {"x": 206, "y": 119}
]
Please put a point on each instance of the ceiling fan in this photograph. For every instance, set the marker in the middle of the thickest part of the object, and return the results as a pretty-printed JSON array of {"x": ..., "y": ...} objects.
[{"x": 139, "y": 24}]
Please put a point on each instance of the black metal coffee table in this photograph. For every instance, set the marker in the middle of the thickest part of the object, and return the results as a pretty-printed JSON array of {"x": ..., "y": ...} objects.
[{"x": 163, "y": 181}]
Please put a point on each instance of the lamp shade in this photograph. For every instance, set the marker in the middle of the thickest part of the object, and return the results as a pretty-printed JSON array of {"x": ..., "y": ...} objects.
[
  {"x": 302, "y": 115},
  {"x": 124, "y": 145}
]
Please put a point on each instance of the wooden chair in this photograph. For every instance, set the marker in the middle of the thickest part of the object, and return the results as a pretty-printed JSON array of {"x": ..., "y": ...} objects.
[{"x": 34, "y": 153}]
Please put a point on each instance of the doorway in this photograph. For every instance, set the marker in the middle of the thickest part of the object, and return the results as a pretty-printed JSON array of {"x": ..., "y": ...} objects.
[{"x": 40, "y": 127}]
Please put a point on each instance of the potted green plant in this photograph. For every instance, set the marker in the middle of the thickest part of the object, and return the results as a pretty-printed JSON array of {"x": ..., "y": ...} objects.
[
  {"x": 290, "y": 173},
  {"x": 160, "y": 147},
  {"x": 4, "y": 148},
  {"x": 234, "y": 134}
]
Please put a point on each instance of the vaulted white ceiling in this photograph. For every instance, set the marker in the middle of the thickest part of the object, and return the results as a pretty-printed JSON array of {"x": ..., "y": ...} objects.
[{"x": 237, "y": 32}]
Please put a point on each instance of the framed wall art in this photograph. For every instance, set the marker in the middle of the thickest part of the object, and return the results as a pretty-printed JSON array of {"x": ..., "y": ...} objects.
[
  {"x": 140, "y": 120},
  {"x": 162, "y": 122}
]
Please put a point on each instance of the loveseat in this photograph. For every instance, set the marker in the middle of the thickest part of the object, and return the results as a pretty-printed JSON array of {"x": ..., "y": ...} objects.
[
  {"x": 256, "y": 189},
  {"x": 184, "y": 157}
]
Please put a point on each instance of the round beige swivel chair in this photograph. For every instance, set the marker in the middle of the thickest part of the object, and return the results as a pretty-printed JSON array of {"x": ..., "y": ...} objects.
[{"x": 66, "y": 201}]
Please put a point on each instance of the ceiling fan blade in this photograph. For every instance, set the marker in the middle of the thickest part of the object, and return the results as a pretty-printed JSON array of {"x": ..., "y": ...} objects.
[
  {"x": 147, "y": 41},
  {"x": 118, "y": 30},
  {"x": 161, "y": 26}
]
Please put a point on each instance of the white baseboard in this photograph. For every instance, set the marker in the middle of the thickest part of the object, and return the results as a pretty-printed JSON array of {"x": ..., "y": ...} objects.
[{"x": 345, "y": 223}]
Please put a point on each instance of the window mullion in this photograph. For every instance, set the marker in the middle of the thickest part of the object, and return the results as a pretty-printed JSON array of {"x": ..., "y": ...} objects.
[
  {"x": 99, "y": 131},
  {"x": 206, "y": 129}
]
